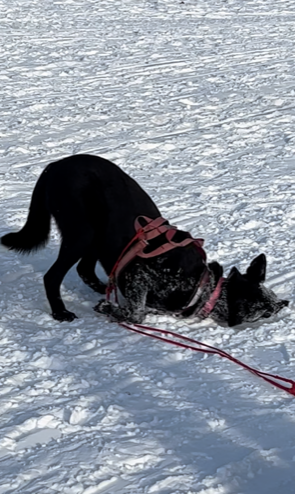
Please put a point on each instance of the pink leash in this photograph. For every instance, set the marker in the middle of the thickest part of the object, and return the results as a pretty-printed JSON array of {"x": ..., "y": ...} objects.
[{"x": 198, "y": 346}]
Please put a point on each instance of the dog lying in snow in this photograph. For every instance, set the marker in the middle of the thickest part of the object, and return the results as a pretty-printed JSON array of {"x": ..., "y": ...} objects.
[{"x": 95, "y": 205}]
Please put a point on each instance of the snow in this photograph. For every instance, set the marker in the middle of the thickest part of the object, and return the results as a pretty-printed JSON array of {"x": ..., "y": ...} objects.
[{"x": 196, "y": 101}]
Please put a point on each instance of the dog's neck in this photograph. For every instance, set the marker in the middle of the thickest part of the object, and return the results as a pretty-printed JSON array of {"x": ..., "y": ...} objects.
[
  {"x": 214, "y": 297},
  {"x": 207, "y": 292},
  {"x": 220, "y": 312}
]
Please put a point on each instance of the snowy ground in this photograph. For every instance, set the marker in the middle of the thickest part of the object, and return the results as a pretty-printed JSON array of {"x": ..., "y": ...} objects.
[{"x": 195, "y": 99}]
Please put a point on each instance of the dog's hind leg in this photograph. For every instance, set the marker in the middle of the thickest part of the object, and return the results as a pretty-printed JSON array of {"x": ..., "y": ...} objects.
[
  {"x": 86, "y": 271},
  {"x": 70, "y": 252}
]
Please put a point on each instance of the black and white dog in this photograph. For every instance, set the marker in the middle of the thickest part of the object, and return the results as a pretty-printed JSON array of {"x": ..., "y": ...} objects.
[{"x": 95, "y": 204}]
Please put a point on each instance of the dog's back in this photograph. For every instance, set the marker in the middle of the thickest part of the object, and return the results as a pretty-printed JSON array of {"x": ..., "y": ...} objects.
[{"x": 86, "y": 195}]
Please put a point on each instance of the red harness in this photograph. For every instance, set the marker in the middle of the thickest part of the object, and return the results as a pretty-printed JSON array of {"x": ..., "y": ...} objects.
[{"x": 137, "y": 246}]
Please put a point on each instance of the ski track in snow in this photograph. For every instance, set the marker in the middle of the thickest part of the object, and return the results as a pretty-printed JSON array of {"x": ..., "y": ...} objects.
[{"x": 196, "y": 101}]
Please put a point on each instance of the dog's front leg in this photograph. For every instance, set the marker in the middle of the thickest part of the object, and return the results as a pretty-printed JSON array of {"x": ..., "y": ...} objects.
[{"x": 133, "y": 310}]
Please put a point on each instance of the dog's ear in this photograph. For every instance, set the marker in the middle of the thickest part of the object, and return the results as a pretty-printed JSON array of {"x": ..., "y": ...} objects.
[
  {"x": 257, "y": 270},
  {"x": 235, "y": 282},
  {"x": 234, "y": 275},
  {"x": 217, "y": 270}
]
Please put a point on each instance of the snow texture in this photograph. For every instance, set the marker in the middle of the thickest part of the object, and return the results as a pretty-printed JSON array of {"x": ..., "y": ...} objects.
[{"x": 195, "y": 99}]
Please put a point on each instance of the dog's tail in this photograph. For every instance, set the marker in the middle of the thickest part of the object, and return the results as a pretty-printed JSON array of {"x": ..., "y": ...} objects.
[{"x": 35, "y": 233}]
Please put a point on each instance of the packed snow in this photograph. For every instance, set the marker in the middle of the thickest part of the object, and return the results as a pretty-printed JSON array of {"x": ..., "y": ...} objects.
[{"x": 195, "y": 99}]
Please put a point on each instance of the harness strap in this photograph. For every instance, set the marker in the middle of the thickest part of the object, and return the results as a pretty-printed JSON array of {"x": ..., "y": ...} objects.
[
  {"x": 203, "y": 311},
  {"x": 199, "y": 289},
  {"x": 150, "y": 224},
  {"x": 210, "y": 304},
  {"x": 152, "y": 229}
]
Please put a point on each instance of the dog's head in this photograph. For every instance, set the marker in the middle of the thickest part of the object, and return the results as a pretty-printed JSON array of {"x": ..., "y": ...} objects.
[{"x": 247, "y": 298}]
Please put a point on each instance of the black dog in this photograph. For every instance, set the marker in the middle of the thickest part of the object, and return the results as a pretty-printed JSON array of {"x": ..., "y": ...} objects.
[{"x": 95, "y": 204}]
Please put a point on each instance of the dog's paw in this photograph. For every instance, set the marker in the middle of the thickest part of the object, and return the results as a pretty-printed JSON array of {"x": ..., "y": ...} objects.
[
  {"x": 103, "y": 307},
  {"x": 64, "y": 315},
  {"x": 108, "y": 309}
]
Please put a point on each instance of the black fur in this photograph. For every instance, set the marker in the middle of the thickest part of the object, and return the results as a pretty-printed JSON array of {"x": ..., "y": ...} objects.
[{"x": 94, "y": 204}]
